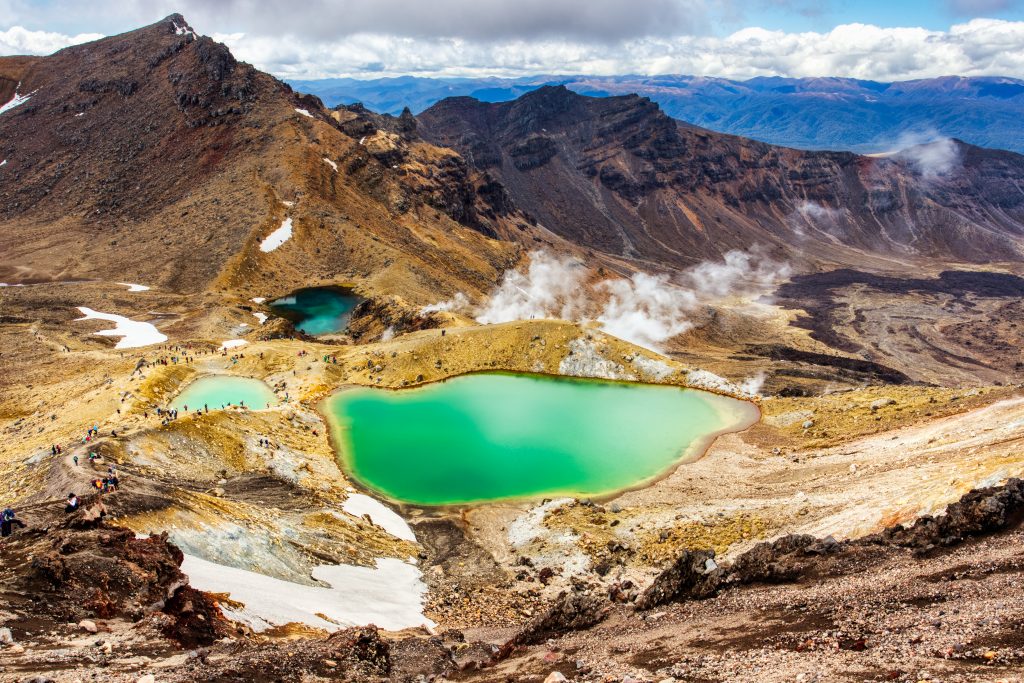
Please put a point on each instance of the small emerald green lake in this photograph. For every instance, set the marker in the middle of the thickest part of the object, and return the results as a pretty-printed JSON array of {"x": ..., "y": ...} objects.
[
  {"x": 488, "y": 437},
  {"x": 220, "y": 391},
  {"x": 318, "y": 310}
]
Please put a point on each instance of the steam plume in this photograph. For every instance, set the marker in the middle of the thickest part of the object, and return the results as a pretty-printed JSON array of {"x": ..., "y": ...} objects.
[
  {"x": 930, "y": 154},
  {"x": 644, "y": 309}
]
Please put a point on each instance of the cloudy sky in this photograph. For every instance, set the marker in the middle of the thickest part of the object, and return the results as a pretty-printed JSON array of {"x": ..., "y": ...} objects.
[{"x": 874, "y": 39}]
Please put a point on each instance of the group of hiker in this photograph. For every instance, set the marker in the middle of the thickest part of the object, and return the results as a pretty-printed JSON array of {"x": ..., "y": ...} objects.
[
  {"x": 109, "y": 483},
  {"x": 173, "y": 360},
  {"x": 174, "y": 354},
  {"x": 106, "y": 484},
  {"x": 167, "y": 413}
]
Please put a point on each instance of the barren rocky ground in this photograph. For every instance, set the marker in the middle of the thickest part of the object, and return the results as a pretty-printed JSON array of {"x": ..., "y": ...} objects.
[
  {"x": 843, "y": 463},
  {"x": 867, "y": 527}
]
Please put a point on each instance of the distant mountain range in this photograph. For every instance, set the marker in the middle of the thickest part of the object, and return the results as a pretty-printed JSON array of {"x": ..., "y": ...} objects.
[
  {"x": 616, "y": 175},
  {"x": 154, "y": 156},
  {"x": 806, "y": 113}
]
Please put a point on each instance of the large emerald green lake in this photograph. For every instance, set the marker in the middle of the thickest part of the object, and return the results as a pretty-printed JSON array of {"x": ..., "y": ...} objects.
[
  {"x": 489, "y": 437},
  {"x": 318, "y": 310}
]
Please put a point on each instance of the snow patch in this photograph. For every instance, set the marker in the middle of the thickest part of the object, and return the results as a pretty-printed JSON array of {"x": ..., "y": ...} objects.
[
  {"x": 389, "y": 595},
  {"x": 3, "y": 163},
  {"x": 134, "y": 287},
  {"x": 16, "y": 100},
  {"x": 304, "y": 112},
  {"x": 258, "y": 299},
  {"x": 262, "y": 317},
  {"x": 185, "y": 30},
  {"x": 232, "y": 344},
  {"x": 278, "y": 237},
  {"x": 358, "y": 504},
  {"x": 133, "y": 333},
  {"x": 331, "y": 164}
]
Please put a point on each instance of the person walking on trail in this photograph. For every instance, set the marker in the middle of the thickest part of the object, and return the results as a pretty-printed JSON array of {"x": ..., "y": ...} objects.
[
  {"x": 72, "y": 505},
  {"x": 75, "y": 458},
  {"x": 8, "y": 518}
]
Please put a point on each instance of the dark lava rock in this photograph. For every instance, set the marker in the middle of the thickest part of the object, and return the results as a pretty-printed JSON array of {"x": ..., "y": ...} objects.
[
  {"x": 796, "y": 556},
  {"x": 688, "y": 577},
  {"x": 85, "y": 568},
  {"x": 982, "y": 511},
  {"x": 573, "y": 612}
]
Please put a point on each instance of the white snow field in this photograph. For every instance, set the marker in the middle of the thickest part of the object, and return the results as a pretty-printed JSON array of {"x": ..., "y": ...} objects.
[
  {"x": 389, "y": 596},
  {"x": 132, "y": 287},
  {"x": 278, "y": 237},
  {"x": 16, "y": 100},
  {"x": 358, "y": 504},
  {"x": 304, "y": 112},
  {"x": 233, "y": 344},
  {"x": 133, "y": 333}
]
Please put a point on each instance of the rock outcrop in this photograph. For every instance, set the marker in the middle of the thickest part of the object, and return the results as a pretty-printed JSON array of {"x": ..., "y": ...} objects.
[
  {"x": 695, "y": 575},
  {"x": 86, "y": 569}
]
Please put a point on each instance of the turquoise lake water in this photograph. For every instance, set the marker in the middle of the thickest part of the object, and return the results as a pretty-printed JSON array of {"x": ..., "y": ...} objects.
[
  {"x": 488, "y": 437},
  {"x": 318, "y": 310},
  {"x": 220, "y": 391}
]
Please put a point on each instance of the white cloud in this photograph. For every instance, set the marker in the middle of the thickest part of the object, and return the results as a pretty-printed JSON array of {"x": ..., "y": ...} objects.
[
  {"x": 20, "y": 41},
  {"x": 364, "y": 38},
  {"x": 326, "y": 20},
  {"x": 978, "y": 47}
]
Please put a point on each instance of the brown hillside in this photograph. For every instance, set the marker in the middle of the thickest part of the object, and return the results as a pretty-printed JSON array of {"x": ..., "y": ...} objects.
[
  {"x": 618, "y": 175},
  {"x": 155, "y": 156}
]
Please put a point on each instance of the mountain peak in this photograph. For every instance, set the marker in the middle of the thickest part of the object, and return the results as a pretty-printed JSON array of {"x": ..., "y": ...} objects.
[{"x": 180, "y": 26}]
